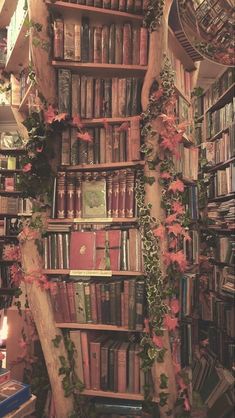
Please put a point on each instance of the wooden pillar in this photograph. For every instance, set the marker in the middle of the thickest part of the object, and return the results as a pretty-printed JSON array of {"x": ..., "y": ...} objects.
[{"x": 157, "y": 48}]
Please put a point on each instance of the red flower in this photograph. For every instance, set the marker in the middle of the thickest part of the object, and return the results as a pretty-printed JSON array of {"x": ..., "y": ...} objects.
[
  {"x": 159, "y": 231},
  {"x": 176, "y": 186},
  {"x": 60, "y": 117},
  {"x": 178, "y": 258},
  {"x": 27, "y": 167},
  {"x": 175, "y": 229},
  {"x": 178, "y": 207},
  {"x": 86, "y": 137},
  {"x": 158, "y": 341},
  {"x": 174, "y": 305},
  {"x": 171, "y": 218},
  {"x": 170, "y": 323},
  {"x": 165, "y": 175}
]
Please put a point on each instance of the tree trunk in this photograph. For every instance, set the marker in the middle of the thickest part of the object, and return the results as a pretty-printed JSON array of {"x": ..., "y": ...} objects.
[{"x": 157, "y": 48}]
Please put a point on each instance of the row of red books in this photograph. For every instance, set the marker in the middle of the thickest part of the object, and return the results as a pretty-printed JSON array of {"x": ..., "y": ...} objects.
[
  {"x": 113, "y": 44},
  {"x": 82, "y": 300}
]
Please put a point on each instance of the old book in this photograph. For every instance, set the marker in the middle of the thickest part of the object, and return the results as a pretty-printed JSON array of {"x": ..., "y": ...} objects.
[
  {"x": 112, "y": 36},
  {"x": 94, "y": 198},
  {"x": 112, "y": 303},
  {"x": 122, "y": 367},
  {"x": 60, "y": 195},
  {"x": 95, "y": 354},
  {"x": 111, "y": 366},
  {"x": 127, "y": 37},
  {"x": 109, "y": 186},
  {"x": 65, "y": 240},
  {"x": 85, "y": 40},
  {"x": 106, "y": 4},
  {"x": 122, "y": 146},
  {"x": 90, "y": 2},
  {"x": 78, "y": 196},
  {"x": 133, "y": 147},
  {"x": 116, "y": 366},
  {"x": 134, "y": 255},
  {"x": 138, "y": 6},
  {"x": 114, "y": 239},
  {"x": 135, "y": 97},
  {"x": 122, "y": 194},
  {"x": 56, "y": 302},
  {"x": 114, "y": 4},
  {"x": 98, "y": 298},
  {"x": 118, "y": 43},
  {"x": 74, "y": 145},
  {"x": 59, "y": 245},
  {"x": 143, "y": 46},
  {"x": 82, "y": 250},
  {"x": 140, "y": 294},
  {"x": 135, "y": 45},
  {"x": 132, "y": 310},
  {"x": 122, "y": 97},
  {"x": 131, "y": 369},
  {"x": 64, "y": 91},
  {"x": 104, "y": 373},
  {"x": 107, "y": 303},
  {"x": 75, "y": 337},
  {"x": 98, "y": 98},
  {"x": 115, "y": 195},
  {"x": 98, "y": 44},
  {"x": 70, "y": 195},
  {"x": 122, "y": 5},
  {"x": 124, "y": 251},
  {"x": 103, "y": 304},
  {"x": 107, "y": 102},
  {"x": 87, "y": 298},
  {"x": 86, "y": 359},
  {"x": 96, "y": 145},
  {"x": 69, "y": 41},
  {"x": 128, "y": 96},
  {"x": 79, "y": 298},
  {"x": 102, "y": 250},
  {"x": 118, "y": 291},
  {"x": 126, "y": 303},
  {"x": 71, "y": 301},
  {"x": 115, "y": 110},
  {"x": 130, "y": 5},
  {"x": 105, "y": 44},
  {"x": 77, "y": 42},
  {"x": 130, "y": 182},
  {"x": 115, "y": 144},
  {"x": 90, "y": 147},
  {"x": 98, "y": 3},
  {"x": 94, "y": 315},
  {"x": 76, "y": 94},
  {"x": 83, "y": 96},
  {"x": 64, "y": 299},
  {"x": 58, "y": 40},
  {"x": 108, "y": 144},
  {"x": 89, "y": 96},
  {"x": 137, "y": 369},
  {"x": 91, "y": 43},
  {"x": 102, "y": 145}
]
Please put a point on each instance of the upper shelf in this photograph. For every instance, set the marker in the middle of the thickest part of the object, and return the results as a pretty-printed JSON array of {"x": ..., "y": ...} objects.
[
  {"x": 96, "y": 68},
  {"x": 20, "y": 52},
  {"x": 223, "y": 99}
]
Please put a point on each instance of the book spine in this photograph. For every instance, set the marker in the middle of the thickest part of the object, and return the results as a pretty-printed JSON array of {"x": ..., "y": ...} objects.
[
  {"x": 58, "y": 44},
  {"x": 118, "y": 44},
  {"x": 114, "y": 4},
  {"x": 126, "y": 303},
  {"x": 102, "y": 145},
  {"x": 83, "y": 96},
  {"x": 109, "y": 186},
  {"x": 59, "y": 243},
  {"x": 64, "y": 298},
  {"x": 135, "y": 46},
  {"x": 115, "y": 112},
  {"x": 89, "y": 96},
  {"x": 91, "y": 43},
  {"x": 128, "y": 96},
  {"x": 79, "y": 299},
  {"x": 115, "y": 144},
  {"x": 121, "y": 97},
  {"x": 122, "y": 5},
  {"x": 56, "y": 303},
  {"x": 98, "y": 98},
  {"x": 64, "y": 91},
  {"x": 107, "y": 103},
  {"x": 139, "y": 305},
  {"x": 98, "y": 44},
  {"x": 65, "y": 147},
  {"x": 77, "y": 42},
  {"x": 98, "y": 3},
  {"x": 85, "y": 359},
  {"x": 108, "y": 144},
  {"x": 112, "y": 304},
  {"x": 131, "y": 323},
  {"x": 118, "y": 288},
  {"x": 105, "y": 44},
  {"x": 76, "y": 95},
  {"x": 106, "y": 4},
  {"x": 89, "y": 2},
  {"x": 115, "y": 195},
  {"x": 138, "y": 6},
  {"x": 130, "y": 182},
  {"x": 60, "y": 196},
  {"x": 104, "y": 368},
  {"x": 123, "y": 146},
  {"x": 137, "y": 370},
  {"x": 143, "y": 46},
  {"x": 112, "y": 44},
  {"x": 97, "y": 146},
  {"x": 87, "y": 293},
  {"x": 122, "y": 194},
  {"x": 72, "y": 307},
  {"x": 107, "y": 303},
  {"x": 98, "y": 298},
  {"x": 130, "y": 6},
  {"x": 94, "y": 315},
  {"x": 135, "y": 139},
  {"x": 78, "y": 195},
  {"x": 70, "y": 195},
  {"x": 127, "y": 36},
  {"x": 122, "y": 369},
  {"x": 69, "y": 41},
  {"x": 85, "y": 40}
]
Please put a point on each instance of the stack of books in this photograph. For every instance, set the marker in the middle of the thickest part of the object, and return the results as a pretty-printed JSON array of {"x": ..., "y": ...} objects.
[
  {"x": 13, "y": 394},
  {"x": 191, "y": 201},
  {"x": 222, "y": 214},
  {"x": 15, "y": 205}
]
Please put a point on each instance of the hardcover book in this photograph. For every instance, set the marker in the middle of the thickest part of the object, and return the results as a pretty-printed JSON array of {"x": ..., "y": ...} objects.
[
  {"x": 94, "y": 199},
  {"x": 12, "y": 395},
  {"x": 82, "y": 250}
]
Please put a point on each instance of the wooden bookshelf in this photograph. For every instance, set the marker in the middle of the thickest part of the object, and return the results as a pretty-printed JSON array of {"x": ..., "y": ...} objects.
[
  {"x": 102, "y": 121},
  {"x": 96, "y": 273},
  {"x": 223, "y": 99},
  {"x": 92, "y": 220},
  {"x": 97, "y": 327},
  {"x": 11, "y": 151},
  {"x": 220, "y": 165},
  {"x": 97, "y": 69},
  {"x": 114, "y": 15},
  {"x": 117, "y": 395},
  {"x": 222, "y": 197},
  {"x": 218, "y": 134},
  {"x": 20, "y": 52},
  {"x": 104, "y": 166},
  {"x": 179, "y": 92}
]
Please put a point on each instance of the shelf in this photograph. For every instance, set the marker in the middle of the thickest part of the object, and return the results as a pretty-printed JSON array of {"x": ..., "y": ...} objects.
[
  {"x": 14, "y": 237},
  {"x": 10, "y": 193},
  {"x": 98, "y": 273},
  {"x": 218, "y": 134},
  {"x": 113, "y": 15},
  {"x": 11, "y": 151},
  {"x": 180, "y": 93},
  {"x": 104, "y": 166},
  {"x": 10, "y": 171},
  {"x": 223, "y": 99},
  {"x": 217, "y": 229},
  {"x": 92, "y": 220},
  {"x": 99, "y": 69},
  {"x": 220, "y": 165},
  {"x": 23, "y": 107},
  {"x": 116, "y": 395},
  {"x": 20, "y": 52},
  {"x": 97, "y": 327},
  {"x": 222, "y": 198},
  {"x": 102, "y": 121},
  {"x": 199, "y": 119}
]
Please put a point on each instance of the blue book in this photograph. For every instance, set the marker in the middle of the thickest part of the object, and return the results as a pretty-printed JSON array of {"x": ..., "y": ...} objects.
[{"x": 12, "y": 395}]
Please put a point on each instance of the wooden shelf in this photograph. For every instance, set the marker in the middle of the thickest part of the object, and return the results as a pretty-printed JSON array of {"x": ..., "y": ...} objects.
[
  {"x": 116, "y": 395},
  {"x": 220, "y": 165},
  {"x": 97, "y": 327},
  {"x": 223, "y": 99},
  {"x": 102, "y": 121},
  {"x": 98, "y": 273},
  {"x": 99, "y": 69},
  {"x": 104, "y": 166},
  {"x": 112, "y": 15},
  {"x": 10, "y": 171},
  {"x": 222, "y": 198},
  {"x": 11, "y": 151},
  {"x": 20, "y": 52},
  {"x": 10, "y": 193},
  {"x": 23, "y": 107},
  {"x": 92, "y": 220}
]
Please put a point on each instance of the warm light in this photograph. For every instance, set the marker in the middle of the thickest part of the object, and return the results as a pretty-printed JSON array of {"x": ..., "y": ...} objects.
[{"x": 3, "y": 331}]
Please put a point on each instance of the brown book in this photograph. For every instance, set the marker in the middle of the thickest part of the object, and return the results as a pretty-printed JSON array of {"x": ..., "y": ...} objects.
[
  {"x": 128, "y": 96},
  {"x": 102, "y": 251},
  {"x": 97, "y": 3},
  {"x": 94, "y": 314},
  {"x": 122, "y": 310},
  {"x": 143, "y": 46},
  {"x": 138, "y": 6},
  {"x": 77, "y": 42},
  {"x": 122, "y": 367},
  {"x": 75, "y": 337},
  {"x": 56, "y": 302},
  {"x": 114, "y": 238},
  {"x": 131, "y": 368},
  {"x": 114, "y": 4},
  {"x": 89, "y": 2},
  {"x": 58, "y": 42},
  {"x": 122, "y": 194},
  {"x": 91, "y": 44},
  {"x": 98, "y": 299},
  {"x": 115, "y": 95},
  {"x": 106, "y": 4},
  {"x": 122, "y": 146},
  {"x": 127, "y": 37},
  {"x": 115, "y": 195},
  {"x": 105, "y": 44},
  {"x": 137, "y": 369},
  {"x": 109, "y": 185},
  {"x": 115, "y": 144},
  {"x": 65, "y": 147},
  {"x": 89, "y": 97},
  {"x": 135, "y": 45},
  {"x": 118, "y": 44},
  {"x": 102, "y": 145},
  {"x": 85, "y": 359},
  {"x": 98, "y": 44},
  {"x": 130, "y": 5},
  {"x": 122, "y": 97},
  {"x": 83, "y": 96},
  {"x": 116, "y": 366},
  {"x": 122, "y": 5},
  {"x": 64, "y": 91},
  {"x": 133, "y": 248},
  {"x": 134, "y": 140},
  {"x": 126, "y": 303},
  {"x": 64, "y": 297},
  {"x": 69, "y": 41},
  {"x": 107, "y": 102},
  {"x": 135, "y": 109},
  {"x": 60, "y": 195},
  {"x": 104, "y": 375},
  {"x": 74, "y": 144},
  {"x": 95, "y": 356},
  {"x": 90, "y": 147},
  {"x": 112, "y": 44},
  {"x": 98, "y": 98},
  {"x": 108, "y": 144},
  {"x": 71, "y": 301},
  {"x": 85, "y": 39},
  {"x": 130, "y": 183},
  {"x": 76, "y": 94},
  {"x": 70, "y": 195}
]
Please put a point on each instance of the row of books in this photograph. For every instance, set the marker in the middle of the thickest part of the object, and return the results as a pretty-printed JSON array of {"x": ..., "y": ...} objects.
[
  {"x": 222, "y": 346},
  {"x": 106, "y": 363},
  {"x": 129, "y": 6},
  {"x": 9, "y": 162},
  {"x": 222, "y": 183},
  {"x": 219, "y": 87},
  {"x": 112, "y": 249},
  {"x": 219, "y": 119},
  {"x": 9, "y": 183},
  {"x": 114, "y": 44},
  {"x": 186, "y": 162},
  {"x": 107, "y": 145},
  {"x": 191, "y": 247},
  {"x": 95, "y": 194},
  {"x": 15, "y": 24},
  {"x": 15, "y": 205},
  {"x": 221, "y": 280},
  {"x": 219, "y": 311},
  {"x": 83, "y": 300},
  {"x": 221, "y": 214},
  {"x": 10, "y": 227},
  {"x": 224, "y": 251},
  {"x": 188, "y": 294},
  {"x": 91, "y": 97},
  {"x": 181, "y": 76},
  {"x": 191, "y": 201},
  {"x": 220, "y": 150}
]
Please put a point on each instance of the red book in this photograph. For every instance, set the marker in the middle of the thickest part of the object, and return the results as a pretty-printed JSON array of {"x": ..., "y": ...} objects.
[
  {"x": 102, "y": 250},
  {"x": 78, "y": 196},
  {"x": 122, "y": 5},
  {"x": 105, "y": 44},
  {"x": 122, "y": 310},
  {"x": 58, "y": 43},
  {"x": 122, "y": 367},
  {"x": 136, "y": 46},
  {"x": 143, "y": 46},
  {"x": 115, "y": 195},
  {"x": 70, "y": 195},
  {"x": 71, "y": 301},
  {"x": 95, "y": 355},
  {"x": 64, "y": 301},
  {"x": 94, "y": 313},
  {"x": 134, "y": 140},
  {"x": 115, "y": 248},
  {"x": 130, "y": 183},
  {"x": 127, "y": 37},
  {"x": 98, "y": 98},
  {"x": 60, "y": 201},
  {"x": 137, "y": 369},
  {"x": 85, "y": 358},
  {"x": 122, "y": 194},
  {"x": 82, "y": 250}
]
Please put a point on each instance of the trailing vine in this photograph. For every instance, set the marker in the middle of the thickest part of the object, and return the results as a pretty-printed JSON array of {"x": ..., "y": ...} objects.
[{"x": 153, "y": 14}]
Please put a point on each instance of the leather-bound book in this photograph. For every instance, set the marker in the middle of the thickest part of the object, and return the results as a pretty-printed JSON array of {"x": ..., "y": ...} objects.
[
  {"x": 135, "y": 45},
  {"x": 106, "y": 4},
  {"x": 76, "y": 94},
  {"x": 97, "y": 145},
  {"x": 138, "y": 6},
  {"x": 90, "y": 148},
  {"x": 70, "y": 195},
  {"x": 105, "y": 44},
  {"x": 122, "y": 146},
  {"x": 118, "y": 290},
  {"x": 87, "y": 296},
  {"x": 132, "y": 311},
  {"x": 122, "y": 97},
  {"x": 114, "y": 4},
  {"x": 107, "y": 102},
  {"x": 58, "y": 41},
  {"x": 116, "y": 365},
  {"x": 89, "y": 2},
  {"x": 102, "y": 145},
  {"x": 65, "y": 303},
  {"x": 107, "y": 303},
  {"x": 143, "y": 46},
  {"x": 65, "y": 147},
  {"x": 94, "y": 314},
  {"x": 59, "y": 246},
  {"x": 102, "y": 301},
  {"x": 122, "y": 309},
  {"x": 122, "y": 5},
  {"x": 105, "y": 364},
  {"x": 122, "y": 194},
  {"x": 122, "y": 367},
  {"x": 135, "y": 97},
  {"x": 98, "y": 44},
  {"x": 134, "y": 249},
  {"x": 71, "y": 301},
  {"x": 98, "y": 98},
  {"x": 77, "y": 42},
  {"x": 56, "y": 302},
  {"x": 130, "y": 183},
  {"x": 128, "y": 96},
  {"x": 140, "y": 294},
  {"x": 124, "y": 260},
  {"x": 98, "y": 298},
  {"x": 115, "y": 195},
  {"x": 111, "y": 365},
  {"x": 85, "y": 40},
  {"x": 82, "y": 250},
  {"x": 74, "y": 144},
  {"x": 94, "y": 198},
  {"x": 115, "y": 144},
  {"x": 115, "y": 97},
  {"x": 75, "y": 337},
  {"x": 83, "y": 96},
  {"x": 127, "y": 41},
  {"x": 126, "y": 303},
  {"x": 131, "y": 370},
  {"x": 64, "y": 91},
  {"x": 91, "y": 43},
  {"x": 98, "y": 3},
  {"x": 89, "y": 97},
  {"x": 79, "y": 298},
  {"x": 65, "y": 240},
  {"x": 86, "y": 359},
  {"x": 102, "y": 250},
  {"x": 112, "y": 303},
  {"x": 112, "y": 36},
  {"x": 109, "y": 187},
  {"x": 118, "y": 44},
  {"x": 69, "y": 41},
  {"x": 108, "y": 144},
  {"x": 137, "y": 369},
  {"x": 60, "y": 195},
  {"x": 115, "y": 248},
  {"x": 95, "y": 355},
  {"x": 134, "y": 140},
  {"x": 83, "y": 154},
  {"x": 130, "y": 6}
]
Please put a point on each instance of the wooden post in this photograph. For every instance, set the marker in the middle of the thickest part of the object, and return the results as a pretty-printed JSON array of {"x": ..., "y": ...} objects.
[
  {"x": 40, "y": 306},
  {"x": 157, "y": 49}
]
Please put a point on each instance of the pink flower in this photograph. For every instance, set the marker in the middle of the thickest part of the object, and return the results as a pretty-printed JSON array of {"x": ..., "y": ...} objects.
[
  {"x": 86, "y": 137},
  {"x": 174, "y": 305},
  {"x": 171, "y": 218},
  {"x": 170, "y": 323},
  {"x": 39, "y": 149},
  {"x": 175, "y": 229},
  {"x": 177, "y": 207},
  {"x": 165, "y": 175},
  {"x": 158, "y": 341},
  {"x": 186, "y": 404},
  {"x": 176, "y": 186},
  {"x": 27, "y": 167},
  {"x": 60, "y": 117},
  {"x": 159, "y": 232},
  {"x": 176, "y": 257},
  {"x": 49, "y": 114}
]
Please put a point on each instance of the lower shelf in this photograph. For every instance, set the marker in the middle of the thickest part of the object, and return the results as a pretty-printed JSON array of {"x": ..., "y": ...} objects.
[
  {"x": 117, "y": 395},
  {"x": 97, "y": 327}
]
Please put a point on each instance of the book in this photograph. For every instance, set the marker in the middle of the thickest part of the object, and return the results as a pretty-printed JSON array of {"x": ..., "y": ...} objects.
[
  {"x": 75, "y": 337},
  {"x": 12, "y": 395},
  {"x": 122, "y": 367},
  {"x": 64, "y": 90},
  {"x": 94, "y": 198},
  {"x": 58, "y": 40},
  {"x": 69, "y": 41},
  {"x": 82, "y": 250}
]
